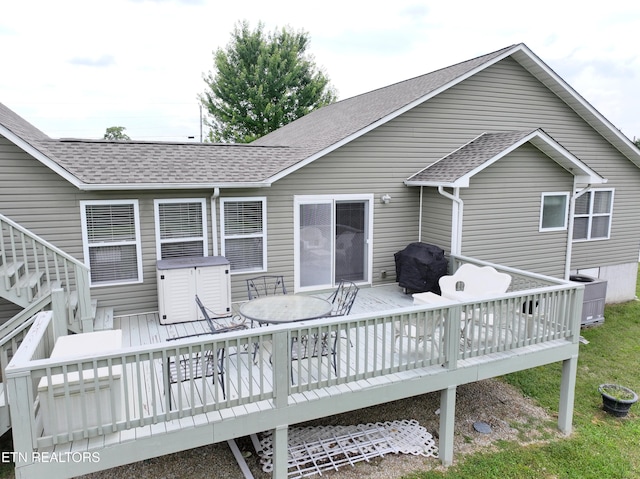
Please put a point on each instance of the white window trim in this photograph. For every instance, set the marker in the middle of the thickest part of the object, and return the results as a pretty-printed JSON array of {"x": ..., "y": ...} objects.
[
  {"x": 564, "y": 227},
  {"x": 156, "y": 214},
  {"x": 308, "y": 199},
  {"x": 263, "y": 235},
  {"x": 85, "y": 238},
  {"x": 591, "y": 215}
]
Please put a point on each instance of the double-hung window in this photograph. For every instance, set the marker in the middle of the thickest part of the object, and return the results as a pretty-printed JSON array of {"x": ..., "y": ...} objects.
[
  {"x": 244, "y": 233},
  {"x": 593, "y": 213},
  {"x": 181, "y": 228},
  {"x": 111, "y": 239}
]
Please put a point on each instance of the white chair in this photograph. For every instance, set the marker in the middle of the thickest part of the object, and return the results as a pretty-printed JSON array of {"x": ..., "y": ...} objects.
[
  {"x": 417, "y": 330},
  {"x": 471, "y": 282}
]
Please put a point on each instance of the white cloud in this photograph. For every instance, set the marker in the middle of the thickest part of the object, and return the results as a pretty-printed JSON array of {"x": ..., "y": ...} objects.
[{"x": 75, "y": 68}]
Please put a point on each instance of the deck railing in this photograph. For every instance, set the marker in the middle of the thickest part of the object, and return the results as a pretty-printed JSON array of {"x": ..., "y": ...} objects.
[
  {"x": 37, "y": 266},
  {"x": 153, "y": 384}
]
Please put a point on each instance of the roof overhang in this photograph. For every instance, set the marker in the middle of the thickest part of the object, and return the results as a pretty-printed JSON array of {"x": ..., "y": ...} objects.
[
  {"x": 538, "y": 138},
  {"x": 168, "y": 186},
  {"x": 38, "y": 155},
  {"x": 532, "y": 63}
]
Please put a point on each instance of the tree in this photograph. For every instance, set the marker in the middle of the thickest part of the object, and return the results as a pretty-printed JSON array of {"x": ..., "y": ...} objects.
[
  {"x": 261, "y": 82},
  {"x": 637, "y": 142},
  {"x": 116, "y": 133}
]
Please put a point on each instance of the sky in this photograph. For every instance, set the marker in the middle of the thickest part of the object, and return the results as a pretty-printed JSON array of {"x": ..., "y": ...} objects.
[{"x": 73, "y": 68}]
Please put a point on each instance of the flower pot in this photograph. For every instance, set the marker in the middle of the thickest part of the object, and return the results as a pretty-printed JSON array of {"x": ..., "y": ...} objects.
[{"x": 616, "y": 399}]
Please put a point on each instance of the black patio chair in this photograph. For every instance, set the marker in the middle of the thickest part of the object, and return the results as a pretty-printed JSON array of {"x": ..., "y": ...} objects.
[
  {"x": 260, "y": 286},
  {"x": 343, "y": 298},
  {"x": 186, "y": 367},
  {"x": 265, "y": 286}
]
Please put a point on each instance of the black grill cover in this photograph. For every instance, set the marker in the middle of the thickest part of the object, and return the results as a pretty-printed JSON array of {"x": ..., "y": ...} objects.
[{"x": 419, "y": 267}]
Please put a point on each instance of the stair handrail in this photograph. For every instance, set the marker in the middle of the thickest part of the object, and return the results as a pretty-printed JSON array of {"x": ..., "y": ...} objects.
[
  {"x": 44, "y": 242},
  {"x": 81, "y": 270}
]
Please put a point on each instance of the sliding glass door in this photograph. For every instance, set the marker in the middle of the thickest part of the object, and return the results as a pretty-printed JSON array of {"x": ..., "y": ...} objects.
[{"x": 332, "y": 240}]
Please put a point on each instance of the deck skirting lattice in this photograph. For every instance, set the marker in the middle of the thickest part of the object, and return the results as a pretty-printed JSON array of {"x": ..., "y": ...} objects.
[{"x": 314, "y": 450}]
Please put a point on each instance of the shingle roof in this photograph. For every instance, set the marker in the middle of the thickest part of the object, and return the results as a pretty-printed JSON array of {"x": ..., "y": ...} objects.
[
  {"x": 456, "y": 168},
  {"x": 333, "y": 123},
  {"x": 469, "y": 157},
  {"x": 206, "y": 164},
  {"x": 112, "y": 165},
  {"x": 19, "y": 126},
  {"x": 131, "y": 163}
]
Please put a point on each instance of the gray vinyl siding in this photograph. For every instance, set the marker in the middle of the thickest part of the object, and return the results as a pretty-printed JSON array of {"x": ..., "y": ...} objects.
[
  {"x": 502, "y": 213},
  {"x": 436, "y": 219},
  {"x": 502, "y": 97},
  {"x": 49, "y": 206},
  {"x": 38, "y": 199},
  {"x": 506, "y": 97},
  {"x": 357, "y": 168}
]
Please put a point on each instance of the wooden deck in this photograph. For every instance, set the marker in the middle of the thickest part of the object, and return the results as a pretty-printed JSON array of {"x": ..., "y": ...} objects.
[
  {"x": 377, "y": 361},
  {"x": 145, "y": 329}
]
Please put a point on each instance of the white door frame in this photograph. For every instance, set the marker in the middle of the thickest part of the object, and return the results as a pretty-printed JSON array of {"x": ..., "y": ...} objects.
[{"x": 299, "y": 200}]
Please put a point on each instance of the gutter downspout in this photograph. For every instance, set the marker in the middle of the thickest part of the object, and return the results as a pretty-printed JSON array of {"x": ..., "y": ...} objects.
[
  {"x": 456, "y": 219},
  {"x": 420, "y": 217},
  {"x": 572, "y": 210},
  {"x": 214, "y": 220}
]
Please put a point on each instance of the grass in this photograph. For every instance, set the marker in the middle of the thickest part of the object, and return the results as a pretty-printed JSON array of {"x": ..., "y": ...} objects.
[{"x": 601, "y": 445}]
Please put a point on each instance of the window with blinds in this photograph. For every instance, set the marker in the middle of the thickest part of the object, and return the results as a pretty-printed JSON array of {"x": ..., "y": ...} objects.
[
  {"x": 593, "y": 213},
  {"x": 181, "y": 228},
  {"x": 111, "y": 237},
  {"x": 243, "y": 233}
]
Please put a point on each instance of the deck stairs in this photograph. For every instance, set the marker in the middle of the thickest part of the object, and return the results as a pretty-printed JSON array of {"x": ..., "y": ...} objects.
[{"x": 31, "y": 270}]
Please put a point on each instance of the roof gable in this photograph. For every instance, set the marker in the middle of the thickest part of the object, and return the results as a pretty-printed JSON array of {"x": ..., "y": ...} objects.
[
  {"x": 332, "y": 126},
  {"x": 136, "y": 165},
  {"x": 458, "y": 167}
]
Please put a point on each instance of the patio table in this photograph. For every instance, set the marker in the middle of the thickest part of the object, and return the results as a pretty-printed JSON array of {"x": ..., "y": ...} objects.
[{"x": 285, "y": 308}]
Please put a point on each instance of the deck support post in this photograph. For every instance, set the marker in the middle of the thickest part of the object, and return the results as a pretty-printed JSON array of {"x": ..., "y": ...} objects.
[
  {"x": 447, "y": 423},
  {"x": 567, "y": 394},
  {"x": 280, "y": 452}
]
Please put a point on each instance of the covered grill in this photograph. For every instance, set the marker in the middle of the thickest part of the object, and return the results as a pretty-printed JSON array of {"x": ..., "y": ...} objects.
[{"x": 419, "y": 267}]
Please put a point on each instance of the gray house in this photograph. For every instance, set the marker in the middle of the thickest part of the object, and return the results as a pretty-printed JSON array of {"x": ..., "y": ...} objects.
[{"x": 495, "y": 159}]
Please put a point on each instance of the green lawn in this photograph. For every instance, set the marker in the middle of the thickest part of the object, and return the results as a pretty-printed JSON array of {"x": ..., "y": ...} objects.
[{"x": 601, "y": 445}]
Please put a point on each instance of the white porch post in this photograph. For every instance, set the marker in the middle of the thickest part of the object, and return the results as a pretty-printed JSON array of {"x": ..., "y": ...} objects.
[{"x": 447, "y": 422}]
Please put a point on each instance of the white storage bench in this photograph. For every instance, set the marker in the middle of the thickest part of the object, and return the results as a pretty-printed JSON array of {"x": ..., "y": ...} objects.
[{"x": 55, "y": 414}]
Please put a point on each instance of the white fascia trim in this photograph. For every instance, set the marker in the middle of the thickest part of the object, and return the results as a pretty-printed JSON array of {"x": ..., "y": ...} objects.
[
  {"x": 632, "y": 150},
  {"x": 461, "y": 183},
  {"x": 168, "y": 186},
  {"x": 540, "y": 140},
  {"x": 549, "y": 147},
  {"x": 38, "y": 155},
  {"x": 409, "y": 181},
  {"x": 565, "y": 158},
  {"x": 388, "y": 118}
]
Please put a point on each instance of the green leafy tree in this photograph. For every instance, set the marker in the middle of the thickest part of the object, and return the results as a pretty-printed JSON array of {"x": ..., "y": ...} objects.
[
  {"x": 637, "y": 142},
  {"x": 261, "y": 82},
  {"x": 116, "y": 133}
]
